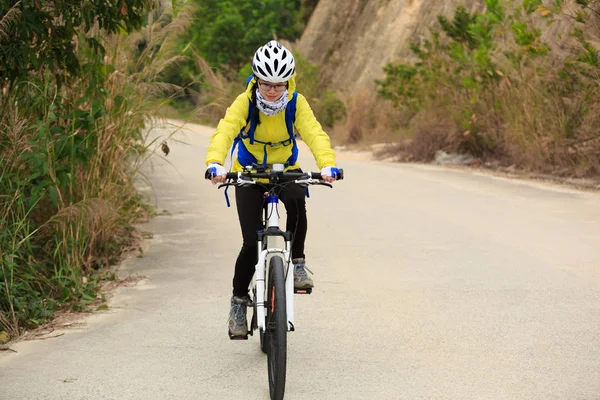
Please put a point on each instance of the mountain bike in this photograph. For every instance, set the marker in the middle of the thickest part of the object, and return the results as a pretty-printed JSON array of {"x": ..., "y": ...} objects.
[{"x": 272, "y": 286}]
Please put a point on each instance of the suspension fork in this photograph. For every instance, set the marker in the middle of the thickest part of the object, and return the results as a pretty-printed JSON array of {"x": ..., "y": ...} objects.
[{"x": 261, "y": 268}]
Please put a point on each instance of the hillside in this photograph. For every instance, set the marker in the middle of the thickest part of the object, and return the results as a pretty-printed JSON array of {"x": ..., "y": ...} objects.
[{"x": 353, "y": 40}]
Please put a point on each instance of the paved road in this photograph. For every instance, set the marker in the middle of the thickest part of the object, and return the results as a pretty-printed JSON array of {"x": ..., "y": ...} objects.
[{"x": 430, "y": 284}]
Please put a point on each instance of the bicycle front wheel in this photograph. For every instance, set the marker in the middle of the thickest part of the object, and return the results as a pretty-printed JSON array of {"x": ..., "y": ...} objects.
[{"x": 276, "y": 324}]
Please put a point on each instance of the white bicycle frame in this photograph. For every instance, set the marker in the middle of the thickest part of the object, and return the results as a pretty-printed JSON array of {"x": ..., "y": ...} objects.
[{"x": 259, "y": 280}]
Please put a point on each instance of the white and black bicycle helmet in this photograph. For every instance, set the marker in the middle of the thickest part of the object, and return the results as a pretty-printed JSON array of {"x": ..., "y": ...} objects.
[{"x": 273, "y": 63}]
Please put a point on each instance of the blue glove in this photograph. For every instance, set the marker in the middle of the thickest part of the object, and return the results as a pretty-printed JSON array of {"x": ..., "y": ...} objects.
[
  {"x": 214, "y": 170},
  {"x": 330, "y": 171}
]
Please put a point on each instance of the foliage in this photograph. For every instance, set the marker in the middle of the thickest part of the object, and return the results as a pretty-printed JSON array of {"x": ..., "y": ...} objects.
[
  {"x": 70, "y": 149},
  {"x": 228, "y": 32},
  {"x": 307, "y": 78},
  {"x": 38, "y": 34},
  {"x": 331, "y": 109},
  {"x": 504, "y": 92}
]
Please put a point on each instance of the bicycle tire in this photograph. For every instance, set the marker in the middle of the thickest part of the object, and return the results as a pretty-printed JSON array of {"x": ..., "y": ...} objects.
[{"x": 276, "y": 332}]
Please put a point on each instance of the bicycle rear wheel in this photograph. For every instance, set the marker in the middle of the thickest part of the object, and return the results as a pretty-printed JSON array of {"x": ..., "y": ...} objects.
[{"x": 276, "y": 332}]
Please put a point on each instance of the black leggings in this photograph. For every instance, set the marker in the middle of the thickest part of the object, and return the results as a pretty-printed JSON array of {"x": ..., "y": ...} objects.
[{"x": 250, "y": 201}]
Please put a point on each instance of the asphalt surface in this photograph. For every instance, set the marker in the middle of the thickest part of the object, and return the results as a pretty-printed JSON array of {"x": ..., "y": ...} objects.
[{"x": 431, "y": 283}]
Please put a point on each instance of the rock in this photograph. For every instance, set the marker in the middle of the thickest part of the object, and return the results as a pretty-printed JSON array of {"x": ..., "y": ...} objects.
[
  {"x": 4, "y": 337},
  {"x": 441, "y": 157}
]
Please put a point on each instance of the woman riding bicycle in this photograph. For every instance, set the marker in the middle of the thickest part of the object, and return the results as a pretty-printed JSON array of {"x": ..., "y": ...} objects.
[{"x": 267, "y": 97}]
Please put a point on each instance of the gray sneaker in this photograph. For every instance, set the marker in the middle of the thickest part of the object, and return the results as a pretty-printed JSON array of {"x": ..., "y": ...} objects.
[
  {"x": 238, "y": 326},
  {"x": 301, "y": 278}
]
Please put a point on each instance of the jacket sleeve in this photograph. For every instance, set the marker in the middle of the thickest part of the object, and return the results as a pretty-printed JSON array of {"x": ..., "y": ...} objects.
[
  {"x": 227, "y": 129},
  {"x": 313, "y": 135}
]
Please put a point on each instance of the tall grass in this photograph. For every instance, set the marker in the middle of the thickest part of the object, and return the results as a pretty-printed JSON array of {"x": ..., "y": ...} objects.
[{"x": 70, "y": 153}]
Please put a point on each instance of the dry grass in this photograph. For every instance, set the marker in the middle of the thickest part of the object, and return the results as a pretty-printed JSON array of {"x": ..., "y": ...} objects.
[
  {"x": 9, "y": 21},
  {"x": 368, "y": 120},
  {"x": 93, "y": 223}
]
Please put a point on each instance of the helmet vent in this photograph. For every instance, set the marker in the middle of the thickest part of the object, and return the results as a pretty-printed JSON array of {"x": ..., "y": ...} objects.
[
  {"x": 267, "y": 54},
  {"x": 269, "y": 70},
  {"x": 282, "y": 72},
  {"x": 260, "y": 70}
]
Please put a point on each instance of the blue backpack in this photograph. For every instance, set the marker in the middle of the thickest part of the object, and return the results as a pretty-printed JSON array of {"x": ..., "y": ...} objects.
[{"x": 246, "y": 158}]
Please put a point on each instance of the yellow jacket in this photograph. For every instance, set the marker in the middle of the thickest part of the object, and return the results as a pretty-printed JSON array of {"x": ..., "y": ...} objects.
[{"x": 271, "y": 129}]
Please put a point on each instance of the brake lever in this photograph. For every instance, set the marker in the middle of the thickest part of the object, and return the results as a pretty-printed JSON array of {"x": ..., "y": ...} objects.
[
  {"x": 239, "y": 182},
  {"x": 305, "y": 182}
]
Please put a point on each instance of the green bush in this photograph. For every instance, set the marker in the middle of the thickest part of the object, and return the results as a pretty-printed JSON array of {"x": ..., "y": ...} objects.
[
  {"x": 331, "y": 109},
  {"x": 507, "y": 93}
]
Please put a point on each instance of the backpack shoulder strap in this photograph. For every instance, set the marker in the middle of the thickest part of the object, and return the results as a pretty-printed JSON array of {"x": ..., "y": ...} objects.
[
  {"x": 249, "y": 79},
  {"x": 290, "y": 114},
  {"x": 248, "y": 130}
]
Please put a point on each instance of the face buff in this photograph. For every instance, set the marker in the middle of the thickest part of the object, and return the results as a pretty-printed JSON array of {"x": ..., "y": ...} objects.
[{"x": 271, "y": 108}]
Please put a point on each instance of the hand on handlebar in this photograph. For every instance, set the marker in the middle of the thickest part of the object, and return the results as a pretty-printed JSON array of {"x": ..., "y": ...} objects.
[
  {"x": 216, "y": 173},
  {"x": 329, "y": 174}
]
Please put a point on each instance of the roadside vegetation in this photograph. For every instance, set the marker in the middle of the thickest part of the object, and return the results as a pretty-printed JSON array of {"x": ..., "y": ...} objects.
[
  {"x": 517, "y": 83},
  {"x": 75, "y": 101}
]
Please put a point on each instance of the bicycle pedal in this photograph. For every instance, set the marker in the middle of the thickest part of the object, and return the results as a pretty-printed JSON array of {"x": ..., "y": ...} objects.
[{"x": 303, "y": 291}]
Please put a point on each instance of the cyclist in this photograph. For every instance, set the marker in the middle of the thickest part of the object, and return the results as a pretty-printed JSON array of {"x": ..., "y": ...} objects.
[{"x": 270, "y": 91}]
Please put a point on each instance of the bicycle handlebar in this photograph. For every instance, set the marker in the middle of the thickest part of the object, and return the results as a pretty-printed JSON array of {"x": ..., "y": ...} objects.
[{"x": 273, "y": 174}]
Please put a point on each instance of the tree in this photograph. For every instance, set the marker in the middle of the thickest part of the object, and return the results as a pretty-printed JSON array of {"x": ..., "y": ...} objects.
[
  {"x": 227, "y": 32},
  {"x": 38, "y": 34}
]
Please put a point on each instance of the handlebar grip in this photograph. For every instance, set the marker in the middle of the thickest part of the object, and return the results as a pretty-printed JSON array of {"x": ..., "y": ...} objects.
[
  {"x": 317, "y": 175},
  {"x": 230, "y": 175}
]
